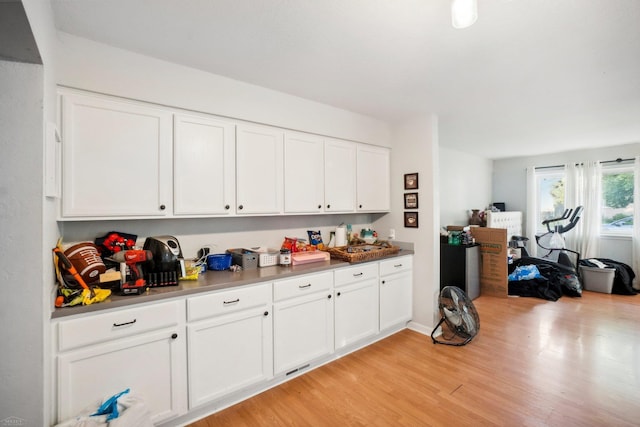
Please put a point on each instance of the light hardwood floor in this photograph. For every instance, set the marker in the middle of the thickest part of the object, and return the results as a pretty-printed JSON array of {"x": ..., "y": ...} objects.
[{"x": 574, "y": 362}]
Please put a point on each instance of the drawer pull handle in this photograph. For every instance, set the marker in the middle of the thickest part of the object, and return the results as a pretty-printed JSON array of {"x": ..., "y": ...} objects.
[
  {"x": 308, "y": 285},
  {"x": 117, "y": 325},
  {"x": 398, "y": 265},
  {"x": 174, "y": 336},
  {"x": 357, "y": 274},
  {"x": 237, "y": 300}
]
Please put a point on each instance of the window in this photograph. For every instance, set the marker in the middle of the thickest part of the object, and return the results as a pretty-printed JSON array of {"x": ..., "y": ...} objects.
[
  {"x": 617, "y": 200},
  {"x": 549, "y": 196}
]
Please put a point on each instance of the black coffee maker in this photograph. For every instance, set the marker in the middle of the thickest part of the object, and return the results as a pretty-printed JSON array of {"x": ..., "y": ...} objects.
[{"x": 167, "y": 264}]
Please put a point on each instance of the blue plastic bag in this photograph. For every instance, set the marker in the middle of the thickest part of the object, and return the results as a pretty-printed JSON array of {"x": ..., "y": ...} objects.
[
  {"x": 525, "y": 272},
  {"x": 110, "y": 406}
]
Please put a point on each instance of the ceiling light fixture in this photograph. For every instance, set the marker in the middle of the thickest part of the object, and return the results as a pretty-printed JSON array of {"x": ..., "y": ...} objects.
[{"x": 463, "y": 13}]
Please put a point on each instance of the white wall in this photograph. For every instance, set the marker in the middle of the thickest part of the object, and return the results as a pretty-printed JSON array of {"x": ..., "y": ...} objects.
[
  {"x": 40, "y": 18},
  {"x": 93, "y": 66},
  {"x": 219, "y": 233},
  {"x": 415, "y": 149},
  {"x": 21, "y": 266},
  {"x": 465, "y": 184},
  {"x": 510, "y": 183}
]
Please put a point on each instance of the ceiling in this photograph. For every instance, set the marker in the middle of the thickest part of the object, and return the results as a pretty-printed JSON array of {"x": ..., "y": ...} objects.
[{"x": 529, "y": 77}]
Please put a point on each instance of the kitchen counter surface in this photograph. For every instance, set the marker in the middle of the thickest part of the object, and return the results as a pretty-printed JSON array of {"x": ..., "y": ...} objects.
[{"x": 213, "y": 281}]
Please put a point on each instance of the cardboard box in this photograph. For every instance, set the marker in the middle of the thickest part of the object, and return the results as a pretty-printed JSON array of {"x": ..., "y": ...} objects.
[{"x": 493, "y": 260}]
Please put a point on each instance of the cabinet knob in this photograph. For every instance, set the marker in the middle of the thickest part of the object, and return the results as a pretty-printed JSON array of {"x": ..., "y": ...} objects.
[
  {"x": 240, "y": 207},
  {"x": 339, "y": 293},
  {"x": 360, "y": 206},
  {"x": 174, "y": 336},
  {"x": 329, "y": 296},
  {"x": 383, "y": 282},
  {"x": 266, "y": 313},
  {"x": 227, "y": 207},
  {"x": 162, "y": 207},
  {"x": 328, "y": 206},
  {"x": 319, "y": 206}
]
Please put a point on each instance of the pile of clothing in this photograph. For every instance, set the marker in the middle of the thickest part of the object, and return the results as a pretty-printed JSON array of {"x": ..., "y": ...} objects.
[{"x": 540, "y": 278}]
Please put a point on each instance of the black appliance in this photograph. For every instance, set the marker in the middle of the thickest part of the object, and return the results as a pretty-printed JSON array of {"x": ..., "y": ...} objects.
[
  {"x": 167, "y": 264},
  {"x": 460, "y": 266}
]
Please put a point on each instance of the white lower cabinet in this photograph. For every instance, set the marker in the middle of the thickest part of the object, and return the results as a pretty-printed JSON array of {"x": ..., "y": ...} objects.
[
  {"x": 356, "y": 304},
  {"x": 232, "y": 349},
  {"x": 302, "y": 320},
  {"x": 151, "y": 363},
  {"x": 195, "y": 351},
  {"x": 396, "y": 291}
]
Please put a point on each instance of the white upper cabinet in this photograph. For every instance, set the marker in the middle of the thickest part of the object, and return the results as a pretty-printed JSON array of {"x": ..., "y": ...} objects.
[
  {"x": 126, "y": 159},
  {"x": 204, "y": 166},
  {"x": 116, "y": 158},
  {"x": 303, "y": 173},
  {"x": 373, "y": 183},
  {"x": 259, "y": 175},
  {"x": 339, "y": 176}
]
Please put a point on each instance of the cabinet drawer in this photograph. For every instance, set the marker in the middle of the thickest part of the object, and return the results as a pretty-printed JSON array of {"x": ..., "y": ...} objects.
[
  {"x": 302, "y": 285},
  {"x": 396, "y": 265},
  {"x": 228, "y": 301},
  {"x": 116, "y": 324},
  {"x": 345, "y": 276}
]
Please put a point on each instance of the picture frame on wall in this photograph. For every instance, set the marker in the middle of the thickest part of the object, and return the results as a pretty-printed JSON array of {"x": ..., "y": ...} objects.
[
  {"x": 411, "y": 219},
  {"x": 411, "y": 181},
  {"x": 411, "y": 200}
]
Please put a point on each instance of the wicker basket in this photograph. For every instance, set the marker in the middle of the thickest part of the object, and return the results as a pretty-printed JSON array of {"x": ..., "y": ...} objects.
[{"x": 359, "y": 253}]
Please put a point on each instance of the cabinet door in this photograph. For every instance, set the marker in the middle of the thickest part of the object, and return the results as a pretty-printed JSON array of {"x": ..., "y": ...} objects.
[
  {"x": 303, "y": 173},
  {"x": 152, "y": 365},
  {"x": 302, "y": 330},
  {"x": 373, "y": 178},
  {"x": 259, "y": 175},
  {"x": 396, "y": 300},
  {"x": 339, "y": 176},
  {"x": 204, "y": 166},
  {"x": 228, "y": 353},
  {"x": 116, "y": 158},
  {"x": 356, "y": 312}
]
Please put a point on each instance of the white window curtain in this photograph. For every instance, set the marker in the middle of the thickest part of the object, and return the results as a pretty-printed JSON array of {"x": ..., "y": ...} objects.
[
  {"x": 635, "y": 252},
  {"x": 583, "y": 188},
  {"x": 531, "y": 211}
]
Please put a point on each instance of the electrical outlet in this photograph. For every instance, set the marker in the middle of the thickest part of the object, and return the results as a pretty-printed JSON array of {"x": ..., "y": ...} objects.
[{"x": 392, "y": 233}]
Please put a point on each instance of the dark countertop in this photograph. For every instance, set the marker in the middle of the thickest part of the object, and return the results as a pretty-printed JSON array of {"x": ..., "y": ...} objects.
[{"x": 213, "y": 281}]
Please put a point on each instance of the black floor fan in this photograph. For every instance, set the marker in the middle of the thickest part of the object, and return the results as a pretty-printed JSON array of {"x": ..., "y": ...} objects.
[{"x": 459, "y": 318}]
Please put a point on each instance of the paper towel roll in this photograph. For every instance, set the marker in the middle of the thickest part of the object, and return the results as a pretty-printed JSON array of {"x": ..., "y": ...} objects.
[{"x": 341, "y": 236}]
